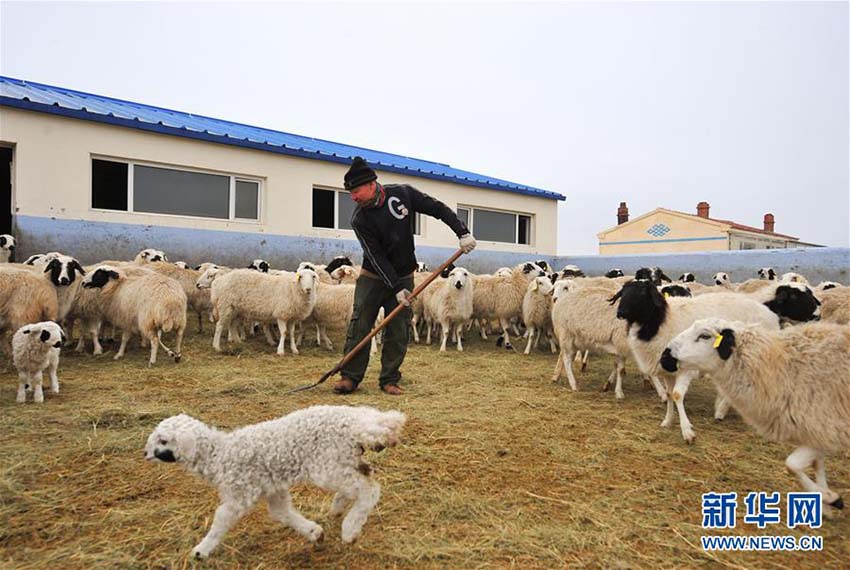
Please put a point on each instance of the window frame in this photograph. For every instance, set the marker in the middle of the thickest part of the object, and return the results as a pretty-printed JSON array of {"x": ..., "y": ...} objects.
[
  {"x": 337, "y": 198},
  {"x": 131, "y": 163},
  {"x": 471, "y": 222}
]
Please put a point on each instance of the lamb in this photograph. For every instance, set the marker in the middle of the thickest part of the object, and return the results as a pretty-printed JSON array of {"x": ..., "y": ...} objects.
[
  {"x": 35, "y": 348},
  {"x": 835, "y": 305},
  {"x": 260, "y": 297},
  {"x": 145, "y": 302},
  {"x": 537, "y": 311},
  {"x": 451, "y": 305},
  {"x": 653, "y": 321},
  {"x": 791, "y": 385},
  {"x": 7, "y": 247},
  {"x": 321, "y": 444}
]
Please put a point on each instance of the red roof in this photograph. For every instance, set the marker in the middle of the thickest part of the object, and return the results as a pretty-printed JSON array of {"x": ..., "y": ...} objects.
[{"x": 742, "y": 227}]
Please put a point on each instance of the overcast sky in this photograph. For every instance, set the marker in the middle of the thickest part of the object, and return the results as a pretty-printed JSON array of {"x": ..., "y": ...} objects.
[{"x": 656, "y": 104}]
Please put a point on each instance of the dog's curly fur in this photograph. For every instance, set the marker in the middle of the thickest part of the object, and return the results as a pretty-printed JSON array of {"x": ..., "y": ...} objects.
[{"x": 321, "y": 444}]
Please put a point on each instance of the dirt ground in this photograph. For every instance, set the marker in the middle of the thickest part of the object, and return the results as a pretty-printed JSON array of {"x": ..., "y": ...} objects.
[{"x": 499, "y": 468}]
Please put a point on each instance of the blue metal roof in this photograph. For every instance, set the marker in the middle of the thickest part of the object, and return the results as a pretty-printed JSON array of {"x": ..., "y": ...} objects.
[{"x": 69, "y": 103}]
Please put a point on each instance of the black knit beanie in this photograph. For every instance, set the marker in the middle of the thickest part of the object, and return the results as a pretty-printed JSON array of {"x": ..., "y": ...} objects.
[{"x": 358, "y": 174}]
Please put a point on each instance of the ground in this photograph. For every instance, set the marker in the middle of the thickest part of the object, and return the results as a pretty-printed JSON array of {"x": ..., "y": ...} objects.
[{"x": 499, "y": 467}]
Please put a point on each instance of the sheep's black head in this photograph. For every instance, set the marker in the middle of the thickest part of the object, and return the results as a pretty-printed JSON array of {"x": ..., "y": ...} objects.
[
  {"x": 63, "y": 270},
  {"x": 445, "y": 272},
  {"x": 338, "y": 262},
  {"x": 687, "y": 278},
  {"x": 542, "y": 264},
  {"x": 767, "y": 273},
  {"x": 100, "y": 277},
  {"x": 553, "y": 278},
  {"x": 642, "y": 304},
  {"x": 614, "y": 273},
  {"x": 260, "y": 265},
  {"x": 675, "y": 290},
  {"x": 795, "y": 302},
  {"x": 652, "y": 274},
  {"x": 532, "y": 270}
]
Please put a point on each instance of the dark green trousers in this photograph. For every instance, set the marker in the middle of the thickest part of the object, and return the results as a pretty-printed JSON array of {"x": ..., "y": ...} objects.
[{"x": 369, "y": 296}]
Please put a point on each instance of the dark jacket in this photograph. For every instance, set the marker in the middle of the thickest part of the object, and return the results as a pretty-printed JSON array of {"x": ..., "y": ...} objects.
[{"x": 386, "y": 231}]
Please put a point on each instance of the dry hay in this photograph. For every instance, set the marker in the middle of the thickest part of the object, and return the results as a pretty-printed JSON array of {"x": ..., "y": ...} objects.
[{"x": 499, "y": 468}]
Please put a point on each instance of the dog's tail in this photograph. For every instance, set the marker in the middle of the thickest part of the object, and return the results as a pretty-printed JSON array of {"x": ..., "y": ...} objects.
[{"x": 378, "y": 430}]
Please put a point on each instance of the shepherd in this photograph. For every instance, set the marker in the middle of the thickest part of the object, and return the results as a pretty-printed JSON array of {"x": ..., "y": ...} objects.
[{"x": 383, "y": 222}]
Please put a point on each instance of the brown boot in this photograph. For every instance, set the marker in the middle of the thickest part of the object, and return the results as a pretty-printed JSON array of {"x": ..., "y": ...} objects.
[
  {"x": 345, "y": 386},
  {"x": 392, "y": 389}
]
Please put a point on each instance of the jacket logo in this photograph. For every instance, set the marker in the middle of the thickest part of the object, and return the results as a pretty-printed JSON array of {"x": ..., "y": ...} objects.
[{"x": 396, "y": 208}]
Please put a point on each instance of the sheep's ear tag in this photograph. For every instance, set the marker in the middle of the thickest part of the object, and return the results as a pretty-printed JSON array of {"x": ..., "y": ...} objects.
[
  {"x": 717, "y": 340},
  {"x": 667, "y": 296},
  {"x": 534, "y": 285},
  {"x": 296, "y": 278}
]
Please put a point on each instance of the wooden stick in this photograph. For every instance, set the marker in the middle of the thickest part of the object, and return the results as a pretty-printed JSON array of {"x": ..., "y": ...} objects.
[{"x": 381, "y": 326}]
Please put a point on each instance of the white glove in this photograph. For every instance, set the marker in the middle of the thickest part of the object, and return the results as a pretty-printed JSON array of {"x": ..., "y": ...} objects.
[
  {"x": 402, "y": 296},
  {"x": 467, "y": 243}
]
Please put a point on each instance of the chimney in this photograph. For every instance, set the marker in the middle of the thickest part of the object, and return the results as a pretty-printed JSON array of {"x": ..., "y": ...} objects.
[
  {"x": 702, "y": 209},
  {"x": 768, "y": 223},
  {"x": 622, "y": 214}
]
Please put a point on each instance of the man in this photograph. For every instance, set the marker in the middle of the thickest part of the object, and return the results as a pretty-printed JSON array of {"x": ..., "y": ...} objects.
[{"x": 383, "y": 222}]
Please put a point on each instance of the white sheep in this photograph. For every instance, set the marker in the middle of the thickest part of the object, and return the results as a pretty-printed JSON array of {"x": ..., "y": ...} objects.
[
  {"x": 321, "y": 444},
  {"x": 198, "y": 298},
  {"x": 333, "y": 308},
  {"x": 182, "y": 265},
  {"x": 835, "y": 305},
  {"x": 35, "y": 348},
  {"x": 537, "y": 311},
  {"x": 500, "y": 297},
  {"x": 25, "y": 298},
  {"x": 450, "y": 304},
  {"x": 792, "y": 277},
  {"x": 721, "y": 279},
  {"x": 791, "y": 385},
  {"x": 653, "y": 321},
  {"x": 253, "y": 296},
  {"x": 141, "y": 302},
  {"x": 260, "y": 265},
  {"x": 7, "y": 247},
  {"x": 826, "y": 286}
]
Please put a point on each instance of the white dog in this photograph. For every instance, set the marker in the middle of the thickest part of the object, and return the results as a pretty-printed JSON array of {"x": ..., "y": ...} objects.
[{"x": 322, "y": 444}]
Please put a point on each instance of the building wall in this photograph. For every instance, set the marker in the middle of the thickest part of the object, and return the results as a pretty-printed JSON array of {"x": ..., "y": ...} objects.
[
  {"x": 646, "y": 235},
  {"x": 52, "y": 180}
]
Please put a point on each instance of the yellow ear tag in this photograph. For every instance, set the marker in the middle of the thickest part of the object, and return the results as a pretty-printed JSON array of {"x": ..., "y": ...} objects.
[
  {"x": 717, "y": 340},
  {"x": 296, "y": 278},
  {"x": 666, "y": 295}
]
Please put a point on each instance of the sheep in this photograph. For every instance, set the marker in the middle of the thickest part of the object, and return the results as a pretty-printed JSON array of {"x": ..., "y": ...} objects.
[
  {"x": 791, "y": 385},
  {"x": 260, "y": 265},
  {"x": 500, "y": 297},
  {"x": 570, "y": 272},
  {"x": 537, "y": 311},
  {"x": 35, "y": 348},
  {"x": 451, "y": 305},
  {"x": 503, "y": 272},
  {"x": 333, "y": 309},
  {"x": 25, "y": 298},
  {"x": 422, "y": 267},
  {"x": 791, "y": 302},
  {"x": 616, "y": 272},
  {"x": 721, "y": 279},
  {"x": 198, "y": 298},
  {"x": 582, "y": 318},
  {"x": 767, "y": 274},
  {"x": 345, "y": 275},
  {"x": 654, "y": 274},
  {"x": 321, "y": 444},
  {"x": 149, "y": 256},
  {"x": 675, "y": 290},
  {"x": 835, "y": 305},
  {"x": 653, "y": 321},
  {"x": 826, "y": 286},
  {"x": 337, "y": 262},
  {"x": 260, "y": 297},
  {"x": 792, "y": 277},
  {"x": 687, "y": 278},
  {"x": 7, "y": 248},
  {"x": 144, "y": 302},
  {"x": 182, "y": 265},
  {"x": 209, "y": 273},
  {"x": 753, "y": 285}
]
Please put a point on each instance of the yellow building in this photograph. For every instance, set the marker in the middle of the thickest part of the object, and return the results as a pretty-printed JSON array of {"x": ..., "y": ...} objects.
[{"x": 668, "y": 231}]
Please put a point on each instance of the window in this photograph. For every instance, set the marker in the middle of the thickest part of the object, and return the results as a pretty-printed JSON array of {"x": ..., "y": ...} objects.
[
  {"x": 131, "y": 187},
  {"x": 332, "y": 209},
  {"x": 492, "y": 225}
]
